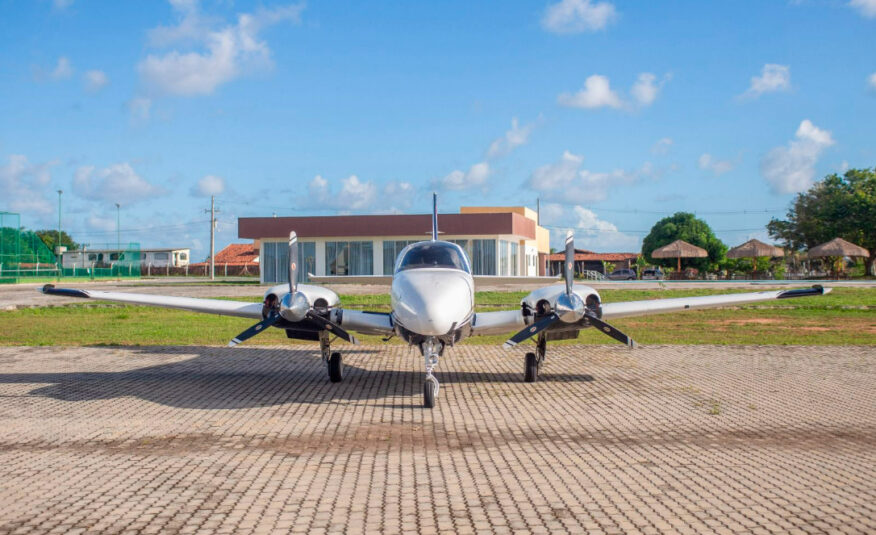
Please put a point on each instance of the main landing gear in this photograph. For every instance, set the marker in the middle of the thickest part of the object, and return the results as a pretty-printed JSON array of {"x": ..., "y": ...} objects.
[
  {"x": 431, "y": 349},
  {"x": 333, "y": 361},
  {"x": 533, "y": 361}
]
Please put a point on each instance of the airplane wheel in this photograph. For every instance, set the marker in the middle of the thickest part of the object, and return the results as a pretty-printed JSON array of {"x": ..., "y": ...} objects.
[
  {"x": 530, "y": 369},
  {"x": 428, "y": 394},
  {"x": 336, "y": 368}
]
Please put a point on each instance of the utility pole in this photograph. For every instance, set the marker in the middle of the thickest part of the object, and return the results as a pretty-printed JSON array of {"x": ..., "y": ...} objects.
[
  {"x": 212, "y": 237},
  {"x": 58, "y": 243}
]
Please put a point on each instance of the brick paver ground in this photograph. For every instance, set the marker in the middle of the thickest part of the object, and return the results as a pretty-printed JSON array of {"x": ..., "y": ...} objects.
[{"x": 660, "y": 439}]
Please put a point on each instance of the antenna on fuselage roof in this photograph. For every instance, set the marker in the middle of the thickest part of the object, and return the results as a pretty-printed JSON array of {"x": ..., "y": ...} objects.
[{"x": 434, "y": 217}]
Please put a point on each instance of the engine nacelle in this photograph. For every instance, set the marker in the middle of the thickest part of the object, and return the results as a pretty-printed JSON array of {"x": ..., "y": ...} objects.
[
  {"x": 544, "y": 300},
  {"x": 317, "y": 297}
]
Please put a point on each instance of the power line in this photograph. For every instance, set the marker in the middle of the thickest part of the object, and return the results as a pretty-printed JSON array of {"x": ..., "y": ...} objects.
[
  {"x": 629, "y": 231},
  {"x": 141, "y": 229}
]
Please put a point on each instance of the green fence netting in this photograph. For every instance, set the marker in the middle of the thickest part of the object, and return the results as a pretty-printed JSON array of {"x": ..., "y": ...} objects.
[{"x": 24, "y": 256}]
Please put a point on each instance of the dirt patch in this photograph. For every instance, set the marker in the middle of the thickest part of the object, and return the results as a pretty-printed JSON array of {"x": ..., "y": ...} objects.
[
  {"x": 747, "y": 321},
  {"x": 389, "y": 437}
]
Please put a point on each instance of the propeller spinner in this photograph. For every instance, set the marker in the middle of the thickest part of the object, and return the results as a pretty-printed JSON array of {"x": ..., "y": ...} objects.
[
  {"x": 569, "y": 308},
  {"x": 294, "y": 306}
]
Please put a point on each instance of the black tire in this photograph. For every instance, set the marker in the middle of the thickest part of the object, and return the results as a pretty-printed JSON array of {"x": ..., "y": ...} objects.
[
  {"x": 336, "y": 368},
  {"x": 530, "y": 368},
  {"x": 428, "y": 394}
]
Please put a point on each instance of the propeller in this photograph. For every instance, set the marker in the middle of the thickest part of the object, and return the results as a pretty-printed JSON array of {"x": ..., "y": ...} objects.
[
  {"x": 254, "y": 330},
  {"x": 569, "y": 308},
  {"x": 294, "y": 306}
]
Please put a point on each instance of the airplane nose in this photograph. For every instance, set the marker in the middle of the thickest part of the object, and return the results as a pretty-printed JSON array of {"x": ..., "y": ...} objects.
[{"x": 431, "y": 302}]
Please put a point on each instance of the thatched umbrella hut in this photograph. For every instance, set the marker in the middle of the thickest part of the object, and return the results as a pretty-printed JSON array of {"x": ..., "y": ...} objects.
[
  {"x": 753, "y": 249},
  {"x": 679, "y": 249},
  {"x": 837, "y": 247}
]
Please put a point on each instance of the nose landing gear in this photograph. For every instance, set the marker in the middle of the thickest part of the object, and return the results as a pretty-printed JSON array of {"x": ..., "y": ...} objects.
[{"x": 431, "y": 349}]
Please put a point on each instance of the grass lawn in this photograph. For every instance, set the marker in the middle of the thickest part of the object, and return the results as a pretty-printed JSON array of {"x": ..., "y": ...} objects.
[{"x": 846, "y": 316}]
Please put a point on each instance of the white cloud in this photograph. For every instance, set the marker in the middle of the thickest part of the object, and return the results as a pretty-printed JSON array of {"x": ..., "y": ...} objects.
[
  {"x": 596, "y": 93},
  {"x": 358, "y": 195},
  {"x": 102, "y": 224},
  {"x": 118, "y": 183},
  {"x": 662, "y": 146},
  {"x": 591, "y": 232},
  {"x": 791, "y": 169},
  {"x": 139, "y": 107},
  {"x": 61, "y": 5},
  {"x": 517, "y": 136},
  {"x": 63, "y": 69},
  {"x": 576, "y": 16},
  {"x": 646, "y": 88},
  {"x": 475, "y": 177},
  {"x": 772, "y": 78},
  {"x": 25, "y": 186},
  {"x": 866, "y": 8},
  {"x": 225, "y": 53},
  {"x": 95, "y": 80},
  {"x": 209, "y": 185},
  {"x": 872, "y": 81},
  {"x": 567, "y": 183},
  {"x": 707, "y": 162}
]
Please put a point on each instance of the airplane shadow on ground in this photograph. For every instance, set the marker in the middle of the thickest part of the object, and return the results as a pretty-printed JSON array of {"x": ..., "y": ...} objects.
[{"x": 225, "y": 378}]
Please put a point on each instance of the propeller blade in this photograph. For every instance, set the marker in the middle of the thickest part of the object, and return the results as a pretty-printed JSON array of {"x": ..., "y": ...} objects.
[
  {"x": 569, "y": 271},
  {"x": 293, "y": 262},
  {"x": 532, "y": 330},
  {"x": 254, "y": 330},
  {"x": 609, "y": 330},
  {"x": 332, "y": 327}
]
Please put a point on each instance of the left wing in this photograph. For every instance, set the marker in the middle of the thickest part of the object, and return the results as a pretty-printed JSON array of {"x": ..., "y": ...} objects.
[
  {"x": 503, "y": 321},
  {"x": 210, "y": 306},
  {"x": 678, "y": 304}
]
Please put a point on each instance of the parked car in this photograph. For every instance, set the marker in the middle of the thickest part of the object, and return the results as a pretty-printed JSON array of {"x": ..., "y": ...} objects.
[
  {"x": 654, "y": 274},
  {"x": 623, "y": 274}
]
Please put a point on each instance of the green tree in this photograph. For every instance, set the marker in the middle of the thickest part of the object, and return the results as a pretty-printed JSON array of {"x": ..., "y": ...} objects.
[
  {"x": 838, "y": 206},
  {"x": 50, "y": 238},
  {"x": 684, "y": 226}
]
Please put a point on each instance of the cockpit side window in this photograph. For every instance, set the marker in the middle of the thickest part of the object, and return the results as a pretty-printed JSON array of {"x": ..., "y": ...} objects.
[{"x": 433, "y": 255}]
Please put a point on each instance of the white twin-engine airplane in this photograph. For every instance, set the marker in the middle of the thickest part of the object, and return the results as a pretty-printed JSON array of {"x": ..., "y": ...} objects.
[{"x": 433, "y": 308}]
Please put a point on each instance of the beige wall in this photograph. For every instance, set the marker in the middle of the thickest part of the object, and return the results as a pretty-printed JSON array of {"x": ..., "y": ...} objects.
[{"x": 542, "y": 235}]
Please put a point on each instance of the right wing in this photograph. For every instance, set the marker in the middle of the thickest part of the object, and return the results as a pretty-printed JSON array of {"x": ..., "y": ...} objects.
[
  {"x": 379, "y": 323},
  {"x": 210, "y": 306}
]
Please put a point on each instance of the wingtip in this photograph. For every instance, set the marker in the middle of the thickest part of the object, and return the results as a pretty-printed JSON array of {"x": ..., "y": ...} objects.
[
  {"x": 233, "y": 342},
  {"x": 508, "y": 345}
]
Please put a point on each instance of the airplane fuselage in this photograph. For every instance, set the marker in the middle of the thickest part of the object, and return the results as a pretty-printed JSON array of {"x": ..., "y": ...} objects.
[
  {"x": 432, "y": 301},
  {"x": 432, "y": 292}
]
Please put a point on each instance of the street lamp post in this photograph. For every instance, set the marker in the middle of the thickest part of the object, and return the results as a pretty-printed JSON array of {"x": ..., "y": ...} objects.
[
  {"x": 58, "y": 241},
  {"x": 118, "y": 231}
]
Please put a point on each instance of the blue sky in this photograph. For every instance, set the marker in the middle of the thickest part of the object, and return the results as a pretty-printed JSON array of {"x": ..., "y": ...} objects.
[{"x": 613, "y": 113}]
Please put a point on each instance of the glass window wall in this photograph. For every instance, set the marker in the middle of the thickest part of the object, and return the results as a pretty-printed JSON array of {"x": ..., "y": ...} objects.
[
  {"x": 391, "y": 249},
  {"x": 483, "y": 257},
  {"x": 349, "y": 258},
  {"x": 274, "y": 262}
]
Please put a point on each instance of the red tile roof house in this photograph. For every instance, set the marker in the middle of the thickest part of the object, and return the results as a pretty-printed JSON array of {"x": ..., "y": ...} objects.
[
  {"x": 588, "y": 260},
  {"x": 236, "y": 258}
]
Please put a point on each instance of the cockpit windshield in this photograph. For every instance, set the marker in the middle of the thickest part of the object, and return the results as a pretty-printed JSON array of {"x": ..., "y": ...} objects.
[{"x": 433, "y": 255}]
